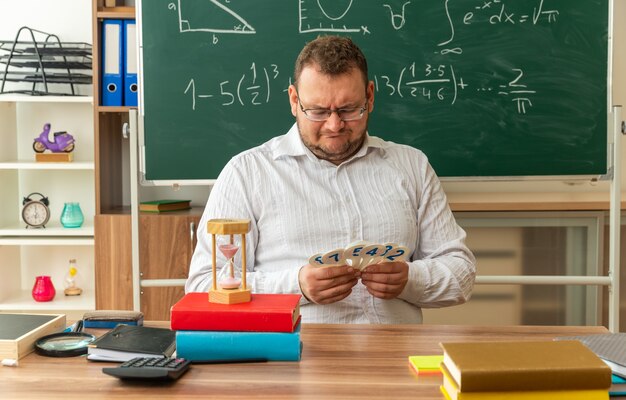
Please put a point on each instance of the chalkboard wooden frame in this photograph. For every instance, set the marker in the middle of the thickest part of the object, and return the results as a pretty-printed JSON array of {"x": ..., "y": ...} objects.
[{"x": 519, "y": 90}]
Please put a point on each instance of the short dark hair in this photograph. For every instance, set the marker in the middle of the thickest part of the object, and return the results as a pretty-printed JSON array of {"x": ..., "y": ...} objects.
[{"x": 334, "y": 55}]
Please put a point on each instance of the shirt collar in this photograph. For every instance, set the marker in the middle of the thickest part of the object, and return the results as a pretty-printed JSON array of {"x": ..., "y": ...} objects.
[{"x": 290, "y": 145}]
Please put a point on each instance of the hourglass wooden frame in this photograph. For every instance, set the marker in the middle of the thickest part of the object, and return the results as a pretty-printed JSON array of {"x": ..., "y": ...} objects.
[{"x": 229, "y": 227}]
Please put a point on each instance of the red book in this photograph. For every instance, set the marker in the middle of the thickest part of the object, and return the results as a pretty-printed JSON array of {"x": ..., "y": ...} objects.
[{"x": 264, "y": 313}]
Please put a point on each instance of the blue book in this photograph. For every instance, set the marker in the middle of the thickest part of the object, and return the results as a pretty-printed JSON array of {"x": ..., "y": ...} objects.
[
  {"x": 202, "y": 346},
  {"x": 618, "y": 386},
  {"x": 109, "y": 324}
]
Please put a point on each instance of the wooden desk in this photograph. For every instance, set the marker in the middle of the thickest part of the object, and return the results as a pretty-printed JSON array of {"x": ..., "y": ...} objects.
[{"x": 338, "y": 362}]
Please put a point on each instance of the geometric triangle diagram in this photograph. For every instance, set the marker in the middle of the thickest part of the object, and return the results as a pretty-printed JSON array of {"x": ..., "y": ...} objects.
[{"x": 210, "y": 16}]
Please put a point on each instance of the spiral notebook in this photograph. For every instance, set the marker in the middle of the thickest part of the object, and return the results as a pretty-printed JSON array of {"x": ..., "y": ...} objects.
[{"x": 610, "y": 347}]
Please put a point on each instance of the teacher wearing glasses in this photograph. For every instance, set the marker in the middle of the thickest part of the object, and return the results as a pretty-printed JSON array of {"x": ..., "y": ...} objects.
[{"x": 328, "y": 183}]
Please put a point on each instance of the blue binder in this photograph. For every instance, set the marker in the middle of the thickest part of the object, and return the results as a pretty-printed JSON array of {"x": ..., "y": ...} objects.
[
  {"x": 130, "y": 63},
  {"x": 112, "y": 56}
]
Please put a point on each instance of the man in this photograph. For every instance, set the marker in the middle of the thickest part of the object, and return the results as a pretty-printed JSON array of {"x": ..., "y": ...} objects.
[{"x": 326, "y": 184}]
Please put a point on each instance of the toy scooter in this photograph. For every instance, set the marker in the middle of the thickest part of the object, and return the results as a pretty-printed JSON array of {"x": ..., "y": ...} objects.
[{"x": 60, "y": 141}]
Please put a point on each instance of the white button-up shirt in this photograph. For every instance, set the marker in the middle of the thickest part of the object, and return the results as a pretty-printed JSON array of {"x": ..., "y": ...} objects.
[{"x": 300, "y": 205}]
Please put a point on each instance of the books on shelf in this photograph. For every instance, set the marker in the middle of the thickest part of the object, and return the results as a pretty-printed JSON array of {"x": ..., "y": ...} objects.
[
  {"x": 19, "y": 332},
  {"x": 264, "y": 313},
  {"x": 157, "y": 206},
  {"x": 610, "y": 347},
  {"x": 450, "y": 391},
  {"x": 199, "y": 346},
  {"x": 524, "y": 366},
  {"x": 126, "y": 342}
]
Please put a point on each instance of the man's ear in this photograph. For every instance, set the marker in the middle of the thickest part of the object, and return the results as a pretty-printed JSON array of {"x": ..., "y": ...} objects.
[
  {"x": 370, "y": 96},
  {"x": 293, "y": 99}
]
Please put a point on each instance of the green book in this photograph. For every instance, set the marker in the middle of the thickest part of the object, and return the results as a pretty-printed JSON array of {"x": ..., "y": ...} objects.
[{"x": 157, "y": 206}]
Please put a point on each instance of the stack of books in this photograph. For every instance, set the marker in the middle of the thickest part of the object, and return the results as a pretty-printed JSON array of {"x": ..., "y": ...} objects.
[
  {"x": 267, "y": 328},
  {"x": 523, "y": 370}
]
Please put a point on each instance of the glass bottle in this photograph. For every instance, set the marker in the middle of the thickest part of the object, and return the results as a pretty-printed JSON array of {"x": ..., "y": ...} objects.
[
  {"x": 43, "y": 289},
  {"x": 72, "y": 216}
]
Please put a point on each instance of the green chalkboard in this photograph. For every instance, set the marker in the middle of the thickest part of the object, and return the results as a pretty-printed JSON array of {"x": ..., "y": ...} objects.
[{"x": 485, "y": 88}]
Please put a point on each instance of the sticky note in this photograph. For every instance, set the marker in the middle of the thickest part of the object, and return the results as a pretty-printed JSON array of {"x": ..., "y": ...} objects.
[{"x": 426, "y": 364}]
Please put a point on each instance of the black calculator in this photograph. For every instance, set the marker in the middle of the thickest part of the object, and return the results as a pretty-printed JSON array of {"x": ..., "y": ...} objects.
[{"x": 150, "y": 368}]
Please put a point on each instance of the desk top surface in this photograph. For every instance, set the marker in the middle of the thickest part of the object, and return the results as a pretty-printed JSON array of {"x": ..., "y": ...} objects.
[{"x": 338, "y": 362}]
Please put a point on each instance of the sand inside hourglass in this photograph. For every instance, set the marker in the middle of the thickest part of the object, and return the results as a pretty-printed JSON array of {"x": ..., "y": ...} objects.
[{"x": 229, "y": 281}]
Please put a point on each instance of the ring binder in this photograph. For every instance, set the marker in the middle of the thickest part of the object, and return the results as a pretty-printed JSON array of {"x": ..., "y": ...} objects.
[
  {"x": 112, "y": 55},
  {"x": 130, "y": 63}
]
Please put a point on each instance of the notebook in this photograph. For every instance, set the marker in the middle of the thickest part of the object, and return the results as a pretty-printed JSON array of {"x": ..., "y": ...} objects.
[
  {"x": 610, "y": 347},
  {"x": 126, "y": 342}
]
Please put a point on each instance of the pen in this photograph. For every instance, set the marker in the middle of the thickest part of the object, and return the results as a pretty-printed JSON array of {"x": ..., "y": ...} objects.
[{"x": 75, "y": 327}]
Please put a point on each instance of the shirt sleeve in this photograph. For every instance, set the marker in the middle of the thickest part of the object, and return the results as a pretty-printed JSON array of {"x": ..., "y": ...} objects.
[
  {"x": 232, "y": 197},
  {"x": 442, "y": 269}
]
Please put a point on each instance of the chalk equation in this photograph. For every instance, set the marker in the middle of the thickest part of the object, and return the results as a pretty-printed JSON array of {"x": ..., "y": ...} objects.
[
  {"x": 442, "y": 83},
  {"x": 494, "y": 12},
  {"x": 335, "y": 16},
  {"x": 431, "y": 82},
  {"x": 251, "y": 88},
  {"x": 259, "y": 84}
]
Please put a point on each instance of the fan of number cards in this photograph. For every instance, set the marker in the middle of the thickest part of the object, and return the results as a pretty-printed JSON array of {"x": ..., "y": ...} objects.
[{"x": 360, "y": 255}]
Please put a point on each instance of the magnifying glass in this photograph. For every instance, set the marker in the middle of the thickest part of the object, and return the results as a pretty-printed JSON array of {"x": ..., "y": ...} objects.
[{"x": 64, "y": 344}]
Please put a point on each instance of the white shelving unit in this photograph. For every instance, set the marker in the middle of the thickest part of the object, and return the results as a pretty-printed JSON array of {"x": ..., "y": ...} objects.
[{"x": 26, "y": 252}]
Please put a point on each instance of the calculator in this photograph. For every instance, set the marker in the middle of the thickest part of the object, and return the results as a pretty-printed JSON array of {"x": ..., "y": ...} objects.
[{"x": 150, "y": 368}]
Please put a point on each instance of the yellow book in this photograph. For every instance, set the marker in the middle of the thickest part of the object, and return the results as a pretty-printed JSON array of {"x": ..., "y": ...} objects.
[
  {"x": 500, "y": 366},
  {"x": 450, "y": 390}
]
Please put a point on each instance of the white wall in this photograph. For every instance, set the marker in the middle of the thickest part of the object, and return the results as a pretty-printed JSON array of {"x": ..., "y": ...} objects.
[{"x": 44, "y": 15}]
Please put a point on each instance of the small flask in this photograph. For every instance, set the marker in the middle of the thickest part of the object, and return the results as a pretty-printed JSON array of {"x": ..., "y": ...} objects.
[
  {"x": 43, "y": 289},
  {"x": 71, "y": 289},
  {"x": 72, "y": 216}
]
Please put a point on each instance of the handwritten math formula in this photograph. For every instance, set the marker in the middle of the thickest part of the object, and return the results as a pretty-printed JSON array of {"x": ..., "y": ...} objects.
[
  {"x": 334, "y": 16},
  {"x": 439, "y": 82},
  {"x": 253, "y": 87},
  {"x": 259, "y": 84},
  {"x": 493, "y": 12}
]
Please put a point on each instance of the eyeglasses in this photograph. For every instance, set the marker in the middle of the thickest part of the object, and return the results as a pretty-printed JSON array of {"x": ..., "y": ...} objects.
[{"x": 322, "y": 114}]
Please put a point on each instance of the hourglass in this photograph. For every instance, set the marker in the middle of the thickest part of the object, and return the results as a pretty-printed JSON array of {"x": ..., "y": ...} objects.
[{"x": 230, "y": 286}]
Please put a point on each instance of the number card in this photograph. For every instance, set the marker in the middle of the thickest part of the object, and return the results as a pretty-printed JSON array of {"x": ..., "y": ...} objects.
[
  {"x": 334, "y": 257},
  {"x": 361, "y": 254}
]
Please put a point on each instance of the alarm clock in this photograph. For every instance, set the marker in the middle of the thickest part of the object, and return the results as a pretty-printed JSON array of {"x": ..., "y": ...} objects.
[{"x": 36, "y": 212}]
